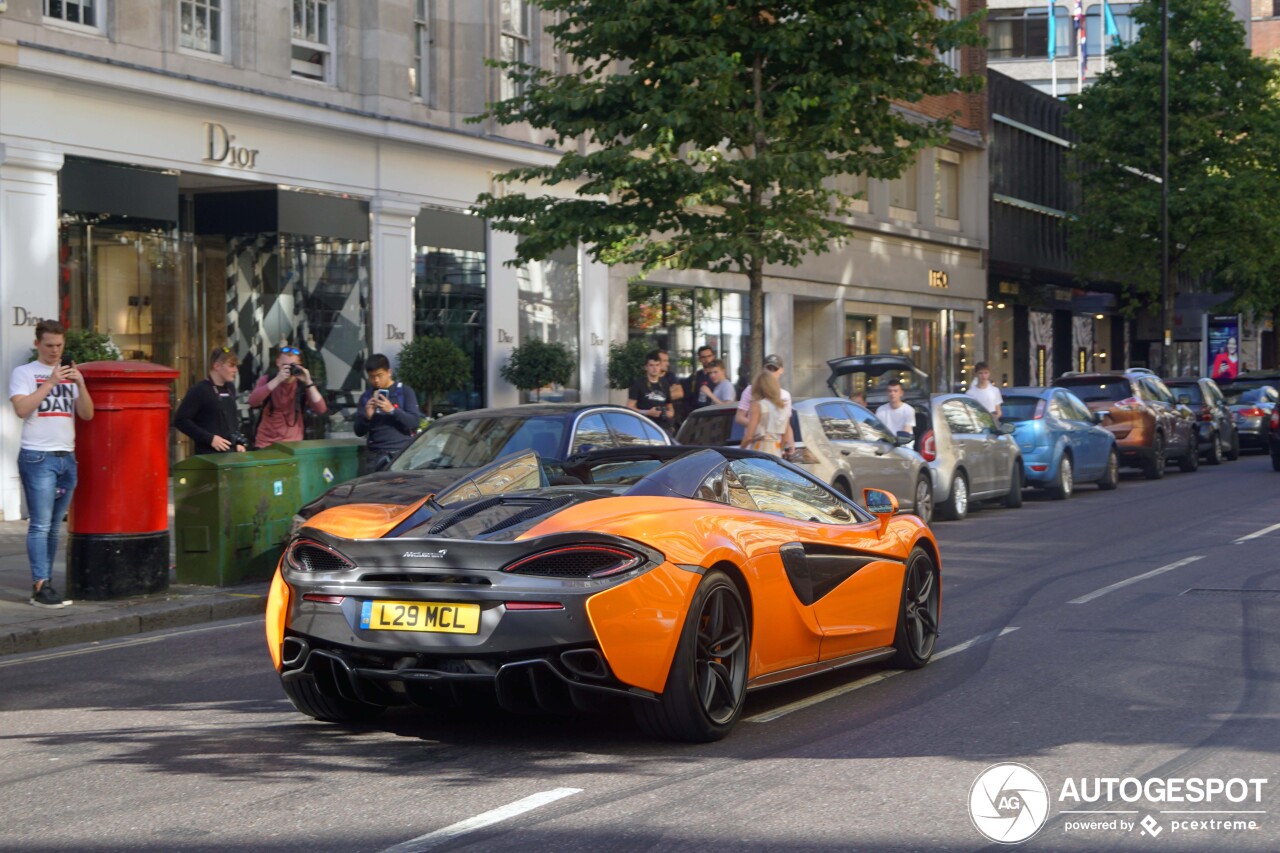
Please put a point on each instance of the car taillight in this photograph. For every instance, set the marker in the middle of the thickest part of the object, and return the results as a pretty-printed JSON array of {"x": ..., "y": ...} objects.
[
  {"x": 577, "y": 561},
  {"x": 1040, "y": 407},
  {"x": 928, "y": 447},
  {"x": 1206, "y": 413},
  {"x": 1255, "y": 412},
  {"x": 307, "y": 555},
  {"x": 1275, "y": 420}
]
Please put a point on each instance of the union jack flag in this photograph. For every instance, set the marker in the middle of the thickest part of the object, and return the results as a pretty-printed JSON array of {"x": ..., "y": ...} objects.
[{"x": 1080, "y": 38}]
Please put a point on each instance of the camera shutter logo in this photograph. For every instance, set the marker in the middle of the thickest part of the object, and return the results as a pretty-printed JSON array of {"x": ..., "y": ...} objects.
[{"x": 1008, "y": 803}]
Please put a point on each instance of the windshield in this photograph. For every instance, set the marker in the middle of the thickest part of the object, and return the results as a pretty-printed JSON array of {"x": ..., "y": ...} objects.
[
  {"x": 1019, "y": 408},
  {"x": 472, "y": 442},
  {"x": 1191, "y": 392},
  {"x": 1094, "y": 390},
  {"x": 1244, "y": 396}
]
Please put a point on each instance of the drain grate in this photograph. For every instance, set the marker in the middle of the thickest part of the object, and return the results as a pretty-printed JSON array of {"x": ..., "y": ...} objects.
[{"x": 1251, "y": 593}]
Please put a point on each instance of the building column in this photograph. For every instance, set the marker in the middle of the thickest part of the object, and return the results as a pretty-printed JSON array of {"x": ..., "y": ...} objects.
[
  {"x": 779, "y": 328},
  {"x": 502, "y": 304},
  {"x": 593, "y": 297},
  {"x": 28, "y": 280},
  {"x": 392, "y": 222}
]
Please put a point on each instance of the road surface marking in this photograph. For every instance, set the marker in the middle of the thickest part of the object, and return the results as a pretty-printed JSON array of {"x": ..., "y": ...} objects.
[
  {"x": 783, "y": 710},
  {"x": 1097, "y": 593},
  {"x": 480, "y": 821},
  {"x": 108, "y": 645},
  {"x": 1263, "y": 532}
]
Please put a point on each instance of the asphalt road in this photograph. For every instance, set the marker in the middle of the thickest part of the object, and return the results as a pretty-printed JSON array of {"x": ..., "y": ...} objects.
[{"x": 1127, "y": 635}]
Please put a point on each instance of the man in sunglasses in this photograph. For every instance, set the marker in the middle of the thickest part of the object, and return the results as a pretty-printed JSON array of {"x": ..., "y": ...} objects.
[
  {"x": 208, "y": 412},
  {"x": 284, "y": 398}
]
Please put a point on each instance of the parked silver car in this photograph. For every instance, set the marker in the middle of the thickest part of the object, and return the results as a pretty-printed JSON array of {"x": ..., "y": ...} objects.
[
  {"x": 971, "y": 455},
  {"x": 839, "y": 442}
]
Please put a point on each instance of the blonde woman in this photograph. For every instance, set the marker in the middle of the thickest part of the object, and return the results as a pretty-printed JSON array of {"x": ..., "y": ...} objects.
[{"x": 769, "y": 421}]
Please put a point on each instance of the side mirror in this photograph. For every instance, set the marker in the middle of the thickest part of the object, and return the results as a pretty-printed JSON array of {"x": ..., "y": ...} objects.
[
  {"x": 882, "y": 505},
  {"x": 384, "y": 463},
  {"x": 1008, "y": 429},
  {"x": 1098, "y": 416},
  {"x": 903, "y": 438}
]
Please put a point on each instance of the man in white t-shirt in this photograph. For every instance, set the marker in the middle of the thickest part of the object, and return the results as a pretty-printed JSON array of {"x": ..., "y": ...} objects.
[
  {"x": 47, "y": 394},
  {"x": 984, "y": 392},
  {"x": 896, "y": 415}
]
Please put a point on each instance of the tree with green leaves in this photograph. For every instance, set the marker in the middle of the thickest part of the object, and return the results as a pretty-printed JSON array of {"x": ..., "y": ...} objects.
[
  {"x": 713, "y": 133},
  {"x": 1224, "y": 130},
  {"x": 433, "y": 365},
  {"x": 626, "y": 362},
  {"x": 535, "y": 364}
]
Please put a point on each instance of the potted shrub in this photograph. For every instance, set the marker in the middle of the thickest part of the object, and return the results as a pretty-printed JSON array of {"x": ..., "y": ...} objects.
[
  {"x": 536, "y": 364},
  {"x": 626, "y": 362},
  {"x": 432, "y": 366}
]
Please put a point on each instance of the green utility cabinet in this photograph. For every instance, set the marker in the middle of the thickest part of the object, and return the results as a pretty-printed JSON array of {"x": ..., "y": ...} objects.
[
  {"x": 322, "y": 463},
  {"x": 232, "y": 513}
]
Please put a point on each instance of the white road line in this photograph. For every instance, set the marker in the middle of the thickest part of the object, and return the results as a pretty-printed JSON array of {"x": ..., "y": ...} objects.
[
  {"x": 108, "y": 645},
  {"x": 783, "y": 710},
  {"x": 1097, "y": 593},
  {"x": 480, "y": 821},
  {"x": 1263, "y": 532}
]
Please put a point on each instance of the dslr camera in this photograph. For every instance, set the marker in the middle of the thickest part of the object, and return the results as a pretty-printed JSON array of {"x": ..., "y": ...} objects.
[
  {"x": 239, "y": 438},
  {"x": 295, "y": 370}
]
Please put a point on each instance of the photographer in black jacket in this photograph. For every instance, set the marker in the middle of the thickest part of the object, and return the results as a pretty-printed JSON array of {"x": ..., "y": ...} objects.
[{"x": 208, "y": 412}]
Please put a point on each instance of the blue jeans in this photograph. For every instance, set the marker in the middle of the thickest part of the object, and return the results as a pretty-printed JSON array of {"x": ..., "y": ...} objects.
[{"x": 47, "y": 483}]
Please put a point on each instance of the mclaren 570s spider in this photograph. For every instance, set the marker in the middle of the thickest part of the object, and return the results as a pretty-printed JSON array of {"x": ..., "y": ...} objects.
[{"x": 673, "y": 579}]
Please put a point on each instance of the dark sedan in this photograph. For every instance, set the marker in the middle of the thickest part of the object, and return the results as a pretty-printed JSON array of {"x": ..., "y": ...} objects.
[
  {"x": 1215, "y": 422},
  {"x": 1252, "y": 406},
  {"x": 453, "y": 445}
]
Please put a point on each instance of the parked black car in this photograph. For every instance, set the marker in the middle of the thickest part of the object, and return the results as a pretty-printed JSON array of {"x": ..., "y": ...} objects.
[
  {"x": 1252, "y": 406},
  {"x": 1215, "y": 422}
]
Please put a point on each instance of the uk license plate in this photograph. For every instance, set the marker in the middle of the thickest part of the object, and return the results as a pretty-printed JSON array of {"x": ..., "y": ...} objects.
[{"x": 431, "y": 616}]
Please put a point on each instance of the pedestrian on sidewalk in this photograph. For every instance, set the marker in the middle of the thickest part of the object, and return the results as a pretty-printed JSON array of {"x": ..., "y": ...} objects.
[
  {"x": 984, "y": 392},
  {"x": 717, "y": 389},
  {"x": 208, "y": 414},
  {"x": 388, "y": 413},
  {"x": 48, "y": 394},
  {"x": 897, "y": 415},
  {"x": 284, "y": 397},
  {"x": 773, "y": 364},
  {"x": 769, "y": 422}
]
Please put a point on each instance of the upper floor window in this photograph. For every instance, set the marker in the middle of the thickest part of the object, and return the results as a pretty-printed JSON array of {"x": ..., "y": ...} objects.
[
  {"x": 83, "y": 12},
  {"x": 200, "y": 25},
  {"x": 513, "y": 42},
  {"x": 950, "y": 58},
  {"x": 1024, "y": 33},
  {"x": 420, "y": 71},
  {"x": 946, "y": 194},
  {"x": 902, "y": 194},
  {"x": 313, "y": 39}
]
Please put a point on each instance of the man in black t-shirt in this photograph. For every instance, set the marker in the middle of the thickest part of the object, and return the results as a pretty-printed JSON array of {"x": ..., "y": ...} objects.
[
  {"x": 208, "y": 414},
  {"x": 692, "y": 398},
  {"x": 649, "y": 395}
]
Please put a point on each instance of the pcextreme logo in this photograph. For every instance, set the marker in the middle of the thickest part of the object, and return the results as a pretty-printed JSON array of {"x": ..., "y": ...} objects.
[{"x": 1009, "y": 803}]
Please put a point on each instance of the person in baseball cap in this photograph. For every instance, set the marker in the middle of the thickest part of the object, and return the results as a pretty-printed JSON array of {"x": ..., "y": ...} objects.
[{"x": 773, "y": 364}]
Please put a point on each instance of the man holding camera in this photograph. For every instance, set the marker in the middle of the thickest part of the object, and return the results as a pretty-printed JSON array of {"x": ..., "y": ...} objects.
[
  {"x": 47, "y": 394},
  {"x": 208, "y": 412},
  {"x": 388, "y": 414},
  {"x": 283, "y": 398}
]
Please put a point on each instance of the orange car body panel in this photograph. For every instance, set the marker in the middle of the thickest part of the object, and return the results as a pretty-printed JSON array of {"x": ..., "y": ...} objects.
[
  {"x": 277, "y": 616},
  {"x": 362, "y": 521}
]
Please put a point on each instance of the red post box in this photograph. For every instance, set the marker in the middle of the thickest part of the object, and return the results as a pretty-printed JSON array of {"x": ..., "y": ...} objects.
[{"x": 119, "y": 521}]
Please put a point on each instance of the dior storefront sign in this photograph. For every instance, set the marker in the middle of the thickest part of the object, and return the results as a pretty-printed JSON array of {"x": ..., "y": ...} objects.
[{"x": 218, "y": 148}]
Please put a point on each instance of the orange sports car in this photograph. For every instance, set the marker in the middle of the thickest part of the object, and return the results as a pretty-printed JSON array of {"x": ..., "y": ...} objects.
[{"x": 672, "y": 578}]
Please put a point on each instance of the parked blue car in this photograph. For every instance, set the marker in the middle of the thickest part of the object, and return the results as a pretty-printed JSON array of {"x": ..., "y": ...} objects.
[{"x": 1061, "y": 441}]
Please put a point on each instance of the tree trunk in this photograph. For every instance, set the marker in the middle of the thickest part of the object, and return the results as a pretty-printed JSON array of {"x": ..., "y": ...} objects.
[{"x": 755, "y": 341}]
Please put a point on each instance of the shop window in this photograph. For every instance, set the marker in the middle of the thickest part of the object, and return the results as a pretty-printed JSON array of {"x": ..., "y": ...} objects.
[
  {"x": 1024, "y": 33},
  {"x": 946, "y": 194},
  {"x": 313, "y": 33},
  {"x": 680, "y": 320},
  {"x": 513, "y": 42},
  {"x": 420, "y": 70},
  {"x": 200, "y": 26},
  {"x": 85, "y": 13},
  {"x": 902, "y": 194},
  {"x": 549, "y": 312},
  {"x": 449, "y": 302}
]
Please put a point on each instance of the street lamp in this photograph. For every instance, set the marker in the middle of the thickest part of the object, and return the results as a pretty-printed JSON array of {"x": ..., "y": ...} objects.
[{"x": 1166, "y": 287}]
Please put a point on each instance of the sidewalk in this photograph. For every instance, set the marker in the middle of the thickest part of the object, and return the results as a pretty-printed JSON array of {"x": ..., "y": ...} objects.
[{"x": 24, "y": 628}]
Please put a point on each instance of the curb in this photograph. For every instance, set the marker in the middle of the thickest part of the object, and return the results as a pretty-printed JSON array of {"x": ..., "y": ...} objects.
[{"x": 150, "y": 617}]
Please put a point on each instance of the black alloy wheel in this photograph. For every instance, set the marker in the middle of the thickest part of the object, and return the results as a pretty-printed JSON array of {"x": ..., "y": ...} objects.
[
  {"x": 707, "y": 684},
  {"x": 917, "y": 631},
  {"x": 1111, "y": 476},
  {"x": 1153, "y": 468},
  {"x": 1214, "y": 456}
]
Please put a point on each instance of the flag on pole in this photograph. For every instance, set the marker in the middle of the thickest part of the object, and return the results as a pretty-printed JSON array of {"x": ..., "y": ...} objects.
[
  {"x": 1080, "y": 39},
  {"x": 1053, "y": 34},
  {"x": 1112, "y": 32}
]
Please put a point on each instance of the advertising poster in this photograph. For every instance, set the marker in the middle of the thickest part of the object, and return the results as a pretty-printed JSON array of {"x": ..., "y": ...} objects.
[{"x": 1222, "y": 346}]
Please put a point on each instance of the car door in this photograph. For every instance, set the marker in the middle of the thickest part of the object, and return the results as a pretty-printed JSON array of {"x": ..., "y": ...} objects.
[
  {"x": 990, "y": 448},
  {"x": 959, "y": 439},
  {"x": 892, "y": 471},
  {"x": 1089, "y": 444},
  {"x": 1180, "y": 422},
  {"x": 852, "y": 456}
]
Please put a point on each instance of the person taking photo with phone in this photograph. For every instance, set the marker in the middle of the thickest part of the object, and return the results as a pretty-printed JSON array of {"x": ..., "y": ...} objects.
[
  {"x": 387, "y": 413},
  {"x": 284, "y": 398},
  {"x": 48, "y": 394}
]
